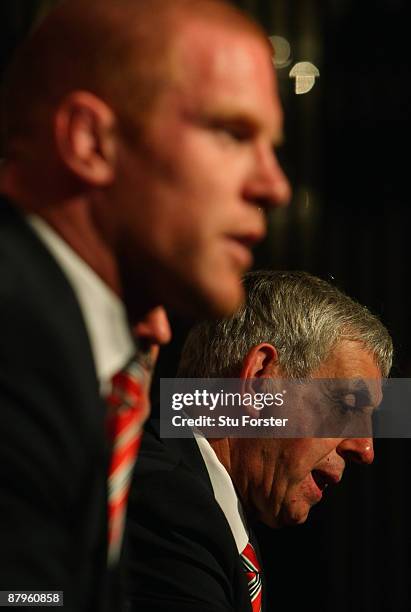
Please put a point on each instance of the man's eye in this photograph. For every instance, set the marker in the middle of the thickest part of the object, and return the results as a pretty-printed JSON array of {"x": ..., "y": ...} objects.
[
  {"x": 237, "y": 131},
  {"x": 350, "y": 400},
  {"x": 240, "y": 134},
  {"x": 353, "y": 402},
  {"x": 345, "y": 404}
]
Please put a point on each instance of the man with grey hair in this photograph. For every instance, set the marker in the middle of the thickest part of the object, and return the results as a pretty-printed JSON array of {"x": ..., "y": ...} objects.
[{"x": 188, "y": 543}]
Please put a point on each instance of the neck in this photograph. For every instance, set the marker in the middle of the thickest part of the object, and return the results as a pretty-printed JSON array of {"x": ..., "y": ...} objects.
[
  {"x": 68, "y": 213},
  {"x": 72, "y": 212},
  {"x": 221, "y": 447},
  {"x": 73, "y": 221}
]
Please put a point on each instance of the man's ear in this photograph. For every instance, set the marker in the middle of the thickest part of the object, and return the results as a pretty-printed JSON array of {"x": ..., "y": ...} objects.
[
  {"x": 261, "y": 361},
  {"x": 84, "y": 132}
]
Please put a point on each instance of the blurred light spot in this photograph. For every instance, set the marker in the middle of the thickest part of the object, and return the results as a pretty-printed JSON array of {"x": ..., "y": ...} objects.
[
  {"x": 282, "y": 51},
  {"x": 305, "y": 201},
  {"x": 304, "y": 74}
]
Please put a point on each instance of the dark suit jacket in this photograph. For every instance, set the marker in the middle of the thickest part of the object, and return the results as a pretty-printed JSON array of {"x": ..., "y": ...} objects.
[
  {"x": 53, "y": 454},
  {"x": 180, "y": 554}
]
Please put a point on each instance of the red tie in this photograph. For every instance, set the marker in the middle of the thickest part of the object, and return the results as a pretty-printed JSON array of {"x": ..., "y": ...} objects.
[
  {"x": 253, "y": 570},
  {"x": 129, "y": 407}
]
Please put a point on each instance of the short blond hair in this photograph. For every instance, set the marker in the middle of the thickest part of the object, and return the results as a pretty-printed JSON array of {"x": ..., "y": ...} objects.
[{"x": 117, "y": 49}]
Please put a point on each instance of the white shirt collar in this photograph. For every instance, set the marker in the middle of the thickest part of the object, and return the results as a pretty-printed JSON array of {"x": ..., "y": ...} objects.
[
  {"x": 224, "y": 492},
  {"x": 103, "y": 312}
]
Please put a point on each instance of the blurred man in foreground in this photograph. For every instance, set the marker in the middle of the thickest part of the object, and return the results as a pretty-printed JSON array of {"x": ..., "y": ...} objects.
[
  {"x": 138, "y": 145},
  {"x": 188, "y": 545}
]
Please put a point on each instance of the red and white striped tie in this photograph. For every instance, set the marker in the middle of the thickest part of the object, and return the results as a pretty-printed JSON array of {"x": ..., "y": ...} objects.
[
  {"x": 128, "y": 405},
  {"x": 253, "y": 572}
]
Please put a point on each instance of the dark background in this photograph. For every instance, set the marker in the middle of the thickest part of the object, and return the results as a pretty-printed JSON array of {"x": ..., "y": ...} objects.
[{"x": 347, "y": 155}]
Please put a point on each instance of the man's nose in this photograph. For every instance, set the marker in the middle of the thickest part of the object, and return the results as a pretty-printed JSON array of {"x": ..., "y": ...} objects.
[
  {"x": 269, "y": 186},
  {"x": 360, "y": 450}
]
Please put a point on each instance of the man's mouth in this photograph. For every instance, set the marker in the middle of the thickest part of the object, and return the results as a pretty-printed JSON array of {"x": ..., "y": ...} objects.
[
  {"x": 250, "y": 237},
  {"x": 241, "y": 246},
  {"x": 322, "y": 479},
  {"x": 241, "y": 252}
]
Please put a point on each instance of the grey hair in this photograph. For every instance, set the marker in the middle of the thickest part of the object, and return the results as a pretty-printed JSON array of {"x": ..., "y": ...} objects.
[{"x": 304, "y": 317}]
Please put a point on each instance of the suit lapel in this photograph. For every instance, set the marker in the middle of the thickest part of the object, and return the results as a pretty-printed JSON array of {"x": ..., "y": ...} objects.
[{"x": 37, "y": 277}]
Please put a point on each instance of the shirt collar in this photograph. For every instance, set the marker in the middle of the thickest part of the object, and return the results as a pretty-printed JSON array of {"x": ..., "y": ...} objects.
[
  {"x": 104, "y": 313},
  {"x": 224, "y": 492}
]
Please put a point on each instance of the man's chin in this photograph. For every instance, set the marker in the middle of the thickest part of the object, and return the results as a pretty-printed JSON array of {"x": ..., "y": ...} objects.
[
  {"x": 227, "y": 297},
  {"x": 218, "y": 300},
  {"x": 295, "y": 516},
  {"x": 214, "y": 291},
  {"x": 287, "y": 517},
  {"x": 225, "y": 305}
]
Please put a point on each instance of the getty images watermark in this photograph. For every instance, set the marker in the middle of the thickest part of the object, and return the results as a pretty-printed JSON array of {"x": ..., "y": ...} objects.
[
  {"x": 204, "y": 399},
  {"x": 285, "y": 408}
]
